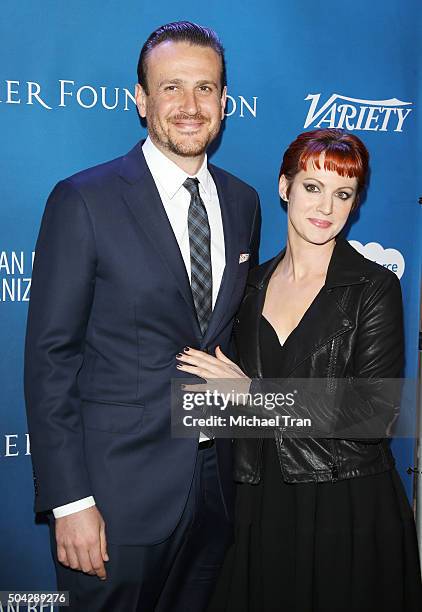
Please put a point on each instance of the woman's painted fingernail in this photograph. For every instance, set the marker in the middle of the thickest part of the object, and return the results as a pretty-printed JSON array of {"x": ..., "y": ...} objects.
[
  {"x": 179, "y": 356},
  {"x": 179, "y": 366},
  {"x": 186, "y": 349}
]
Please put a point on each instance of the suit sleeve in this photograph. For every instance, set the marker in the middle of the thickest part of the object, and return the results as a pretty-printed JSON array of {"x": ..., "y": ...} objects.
[
  {"x": 61, "y": 296},
  {"x": 255, "y": 235}
]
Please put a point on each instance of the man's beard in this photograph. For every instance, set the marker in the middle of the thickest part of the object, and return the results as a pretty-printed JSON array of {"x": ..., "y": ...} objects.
[{"x": 193, "y": 147}]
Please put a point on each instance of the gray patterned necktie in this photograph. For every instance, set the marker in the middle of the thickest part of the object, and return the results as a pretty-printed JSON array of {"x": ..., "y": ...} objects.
[{"x": 200, "y": 254}]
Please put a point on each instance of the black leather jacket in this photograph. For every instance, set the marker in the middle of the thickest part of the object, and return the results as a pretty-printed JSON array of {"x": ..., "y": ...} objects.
[{"x": 353, "y": 330}]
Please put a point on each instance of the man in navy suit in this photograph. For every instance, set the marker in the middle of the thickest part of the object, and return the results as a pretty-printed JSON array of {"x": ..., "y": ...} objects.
[{"x": 137, "y": 259}]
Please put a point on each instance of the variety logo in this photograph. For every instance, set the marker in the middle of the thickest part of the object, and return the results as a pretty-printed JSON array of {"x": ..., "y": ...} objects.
[
  {"x": 389, "y": 258},
  {"x": 67, "y": 93},
  {"x": 356, "y": 114}
]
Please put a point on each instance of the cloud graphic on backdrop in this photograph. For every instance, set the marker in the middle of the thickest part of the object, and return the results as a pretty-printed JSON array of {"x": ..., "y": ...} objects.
[{"x": 389, "y": 258}]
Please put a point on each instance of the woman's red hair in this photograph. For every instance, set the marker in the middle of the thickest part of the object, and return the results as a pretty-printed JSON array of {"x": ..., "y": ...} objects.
[{"x": 344, "y": 153}]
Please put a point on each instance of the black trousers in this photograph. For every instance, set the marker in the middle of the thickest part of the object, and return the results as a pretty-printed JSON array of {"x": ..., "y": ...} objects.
[{"x": 177, "y": 575}]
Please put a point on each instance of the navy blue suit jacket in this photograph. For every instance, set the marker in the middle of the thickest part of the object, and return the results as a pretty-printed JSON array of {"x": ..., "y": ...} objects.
[{"x": 110, "y": 307}]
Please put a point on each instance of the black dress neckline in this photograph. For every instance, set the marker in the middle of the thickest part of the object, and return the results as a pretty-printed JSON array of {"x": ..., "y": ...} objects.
[
  {"x": 273, "y": 329},
  {"x": 271, "y": 349}
]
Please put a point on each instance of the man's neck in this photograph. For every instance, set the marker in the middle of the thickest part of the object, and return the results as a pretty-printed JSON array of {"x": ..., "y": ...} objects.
[{"x": 190, "y": 165}]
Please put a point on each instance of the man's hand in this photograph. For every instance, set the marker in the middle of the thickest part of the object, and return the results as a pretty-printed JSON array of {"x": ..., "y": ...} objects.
[{"x": 81, "y": 542}]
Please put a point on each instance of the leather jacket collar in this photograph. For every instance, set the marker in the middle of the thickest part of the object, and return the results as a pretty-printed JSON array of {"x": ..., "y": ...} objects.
[{"x": 347, "y": 267}]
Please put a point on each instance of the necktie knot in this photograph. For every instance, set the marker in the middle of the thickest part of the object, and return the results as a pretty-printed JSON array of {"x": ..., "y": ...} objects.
[{"x": 192, "y": 185}]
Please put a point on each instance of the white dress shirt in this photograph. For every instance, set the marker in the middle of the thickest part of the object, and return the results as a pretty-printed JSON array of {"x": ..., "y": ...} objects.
[{"x": 169, "y": 179}]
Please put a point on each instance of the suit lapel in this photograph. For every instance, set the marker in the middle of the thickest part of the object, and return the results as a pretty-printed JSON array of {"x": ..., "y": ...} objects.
[
  {"x": 229, "y": 211},
  {"x": 142, "y": 198}
]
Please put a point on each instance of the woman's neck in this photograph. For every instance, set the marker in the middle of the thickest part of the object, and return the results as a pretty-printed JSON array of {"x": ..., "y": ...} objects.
[{"x": 304, "y": 260}]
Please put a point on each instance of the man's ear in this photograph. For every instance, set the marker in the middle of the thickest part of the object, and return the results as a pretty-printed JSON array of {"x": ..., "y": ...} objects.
[
  {"x": 223, "y": 101},
  {"x": 283, "y": 185},
  {"x": 140, "y": 97}
]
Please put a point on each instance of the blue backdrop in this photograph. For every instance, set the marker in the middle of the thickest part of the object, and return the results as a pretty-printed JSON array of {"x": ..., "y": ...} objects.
[{"x": 67, "y": 76}]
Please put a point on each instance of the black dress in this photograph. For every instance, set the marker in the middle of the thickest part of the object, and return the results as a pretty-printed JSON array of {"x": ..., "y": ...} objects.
[{"x": 348, "y": 546}]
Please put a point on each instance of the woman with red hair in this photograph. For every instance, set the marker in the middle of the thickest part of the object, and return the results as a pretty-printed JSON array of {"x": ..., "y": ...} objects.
[{"x": 322, "y": 522}]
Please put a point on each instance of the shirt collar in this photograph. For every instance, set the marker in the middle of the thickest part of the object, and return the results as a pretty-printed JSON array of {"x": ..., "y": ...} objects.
[{"x": 168, "y": 174}]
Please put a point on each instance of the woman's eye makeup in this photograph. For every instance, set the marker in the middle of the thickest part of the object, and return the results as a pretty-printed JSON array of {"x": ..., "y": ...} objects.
[
  {"x": 344, "y": 195},
  {"x": 311, "y": 187}
]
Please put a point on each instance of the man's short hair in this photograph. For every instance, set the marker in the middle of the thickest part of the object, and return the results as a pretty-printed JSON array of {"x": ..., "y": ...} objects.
[{"x": 180, "y": 31}]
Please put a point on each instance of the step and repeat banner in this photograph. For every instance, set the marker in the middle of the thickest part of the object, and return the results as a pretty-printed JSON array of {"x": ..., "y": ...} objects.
[{"x": 67, "y": 80}]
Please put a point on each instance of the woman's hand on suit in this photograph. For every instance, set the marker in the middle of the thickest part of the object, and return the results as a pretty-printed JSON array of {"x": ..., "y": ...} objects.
[
  {"x": 220, "y": 373},
  {"x": 207, "y": 366}
]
